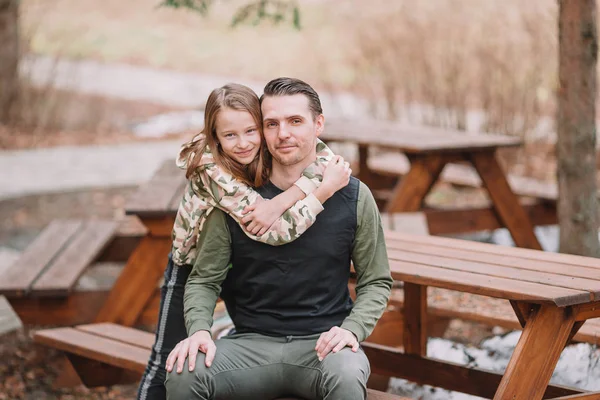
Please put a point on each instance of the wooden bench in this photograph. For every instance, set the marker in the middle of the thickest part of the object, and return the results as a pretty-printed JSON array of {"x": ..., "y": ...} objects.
[
  {"x": 106, "y": 354},
  {"x": 42, "y": 284}
]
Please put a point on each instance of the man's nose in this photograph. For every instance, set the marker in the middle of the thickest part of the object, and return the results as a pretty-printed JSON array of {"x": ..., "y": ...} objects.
[{"x": 284, "y": 132}]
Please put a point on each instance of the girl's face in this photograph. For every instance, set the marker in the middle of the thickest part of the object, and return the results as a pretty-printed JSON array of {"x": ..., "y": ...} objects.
[{"x": 238, "y": 135}]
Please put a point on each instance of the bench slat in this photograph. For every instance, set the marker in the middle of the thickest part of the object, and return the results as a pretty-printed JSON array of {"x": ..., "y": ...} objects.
[
  {"x": 156, "y": 196},
  {"x": 515, "y": 253},
  {"x": 486, "y": 285},
  {"x": 483, "y": 268},
  {"x": 493, "y": 259},
  {"x": 120, "y": 333},
  {"x": 91, "y": 346},
  {"x": 18, "y": 278},
  {"x": 60, "y": 277}
]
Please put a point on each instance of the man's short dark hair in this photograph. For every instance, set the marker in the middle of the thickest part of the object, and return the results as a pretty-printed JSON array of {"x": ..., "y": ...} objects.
[{"x": 290, "y": 87}]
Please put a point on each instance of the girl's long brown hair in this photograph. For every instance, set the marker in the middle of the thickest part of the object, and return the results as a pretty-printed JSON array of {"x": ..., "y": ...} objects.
[{"x": 236, "y": 97}]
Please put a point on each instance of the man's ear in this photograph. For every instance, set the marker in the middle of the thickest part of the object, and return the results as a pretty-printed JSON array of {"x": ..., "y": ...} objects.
[{"x": 320, "y": 122}]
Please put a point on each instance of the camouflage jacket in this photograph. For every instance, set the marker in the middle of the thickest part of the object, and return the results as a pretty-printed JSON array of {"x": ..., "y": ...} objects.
[{"x": 212, "y": 187}]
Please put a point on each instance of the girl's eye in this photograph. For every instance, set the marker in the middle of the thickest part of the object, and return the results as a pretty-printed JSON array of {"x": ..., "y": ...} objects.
[
  {"x": 229, "y": 135},
  {"x": 252, "y": 130}
]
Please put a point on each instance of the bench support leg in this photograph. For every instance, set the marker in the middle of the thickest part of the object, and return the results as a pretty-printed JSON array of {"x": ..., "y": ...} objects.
[
  {"x": 534, "y": 359},
  {"x": 94, "y": 373},
  {"x": 137, "y": 283},
  {"x": 415, "y": 319},
  {"x": 506, "y": 203}
]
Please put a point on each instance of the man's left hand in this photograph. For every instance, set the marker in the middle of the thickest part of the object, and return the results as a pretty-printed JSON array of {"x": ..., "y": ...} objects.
[{"x": 335, "y": 340}]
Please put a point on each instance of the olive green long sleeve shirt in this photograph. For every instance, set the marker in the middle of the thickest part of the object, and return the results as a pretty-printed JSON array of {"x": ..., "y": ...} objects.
[{"x": 369, "y": 257}]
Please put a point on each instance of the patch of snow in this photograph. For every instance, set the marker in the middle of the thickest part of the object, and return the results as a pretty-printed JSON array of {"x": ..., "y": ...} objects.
[{"x": 578, "y": 365}]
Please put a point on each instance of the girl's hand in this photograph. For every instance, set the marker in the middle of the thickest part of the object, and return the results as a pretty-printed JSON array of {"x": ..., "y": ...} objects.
[
  {"x": 336, "y": 175},
  {"x": 262, "y": 215}
]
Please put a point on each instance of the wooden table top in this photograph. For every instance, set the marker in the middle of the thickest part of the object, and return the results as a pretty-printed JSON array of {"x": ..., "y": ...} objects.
[
  {"x": 159, "y": 197},
  {"x": 496, "y": 271},
  {"x": 412, "y": 139}
]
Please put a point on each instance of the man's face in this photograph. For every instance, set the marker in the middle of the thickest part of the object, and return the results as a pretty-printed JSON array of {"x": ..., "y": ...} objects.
[{"x": 289, "y": 128}]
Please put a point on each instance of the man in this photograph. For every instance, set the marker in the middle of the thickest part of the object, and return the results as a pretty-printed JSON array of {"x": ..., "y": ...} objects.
[{"x": 297, "y": 331}]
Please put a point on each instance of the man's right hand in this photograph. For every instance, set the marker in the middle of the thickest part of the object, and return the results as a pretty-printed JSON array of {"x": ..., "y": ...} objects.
[{"x": 199, "y": 341}]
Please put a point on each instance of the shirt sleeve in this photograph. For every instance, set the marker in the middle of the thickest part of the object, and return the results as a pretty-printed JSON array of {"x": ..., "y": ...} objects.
[
  {"x": 232, "y": 196},
  {"x": 208, "y": 273},
  {"x": 313, "y": 174},
  {"x": 369, "y": 256},
  {"x": 193, "y": 209}
]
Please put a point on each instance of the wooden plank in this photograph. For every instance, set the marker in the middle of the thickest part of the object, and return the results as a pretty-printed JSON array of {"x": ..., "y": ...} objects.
[
  {"x": 486, "y": 285},
  {"x": 403, "y": 252},
  {"x": 463, "y": 220},
  {"x": 567, "y": 260},
  {"x": 412, "y": 139},
  {"x": 505, "y": 201},
  {"x": 428, "y": 371},
  {"x": 9, "y": 320},
  {"x": 17, "y": 279},
  {"x": 588, "y": 311},
  {"x": 534, "y": 359},
  {"x": 415, "y": 319},
  {"x": 136, "y": 284},
  {"x": 64, "y": 271},
  {"x": 80, "y": 307},
  {"x": 522, "y": 311},
  {"x": 410, "y": 192},
  {"x": 410, "y": 222},
  {"x": 124, "y": 241},
  {"x": 120, "y": 333},
  {"x": 160, "y": 226},
  {"x": 93, "y": 373},
  {"x": 156, "y": 196},
  {"x": 88, "y": 345}
]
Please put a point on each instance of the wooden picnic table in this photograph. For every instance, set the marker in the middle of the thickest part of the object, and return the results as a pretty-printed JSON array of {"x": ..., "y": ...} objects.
[
  {"x": 551, "y": 294},
  {"x": 429, "y": 150}
]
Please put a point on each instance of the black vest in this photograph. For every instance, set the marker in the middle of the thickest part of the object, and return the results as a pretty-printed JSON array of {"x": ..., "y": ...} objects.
[{"x": 299, "y": 288}]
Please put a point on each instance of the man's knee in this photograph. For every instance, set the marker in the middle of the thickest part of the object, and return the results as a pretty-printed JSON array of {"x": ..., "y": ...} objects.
[
  {"x": 189, "y": 385},
  {"x": 345, "y": 373}
]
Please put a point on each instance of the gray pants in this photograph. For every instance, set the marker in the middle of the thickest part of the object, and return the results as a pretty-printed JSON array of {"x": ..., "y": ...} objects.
[{"x": 257, "y": 367}]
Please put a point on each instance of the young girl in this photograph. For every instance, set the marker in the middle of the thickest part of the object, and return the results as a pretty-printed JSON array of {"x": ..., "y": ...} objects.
[{"x": 223, "y": 164}]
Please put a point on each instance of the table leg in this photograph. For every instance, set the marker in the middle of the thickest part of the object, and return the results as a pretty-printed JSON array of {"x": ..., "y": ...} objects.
[
  {"x": 415, "y": 319},
  {"x": 506, "y": 203},
  {"x": 411, "y": 190},
  {"x": 137, "y": 282},
  {"x": 534, "y": 359},
  {"x": 372, "y": 179}
]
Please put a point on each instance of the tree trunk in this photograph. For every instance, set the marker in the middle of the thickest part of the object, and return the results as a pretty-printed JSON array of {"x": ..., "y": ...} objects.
[
  {"x": 9, "y": 57},
  {"x": 576, "y": 145}
]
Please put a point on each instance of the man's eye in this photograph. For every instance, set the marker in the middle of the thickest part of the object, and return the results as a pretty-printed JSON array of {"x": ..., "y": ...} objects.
[
  {"x": 296, "y": 121},
  {"x": 271, "y": 125}
]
